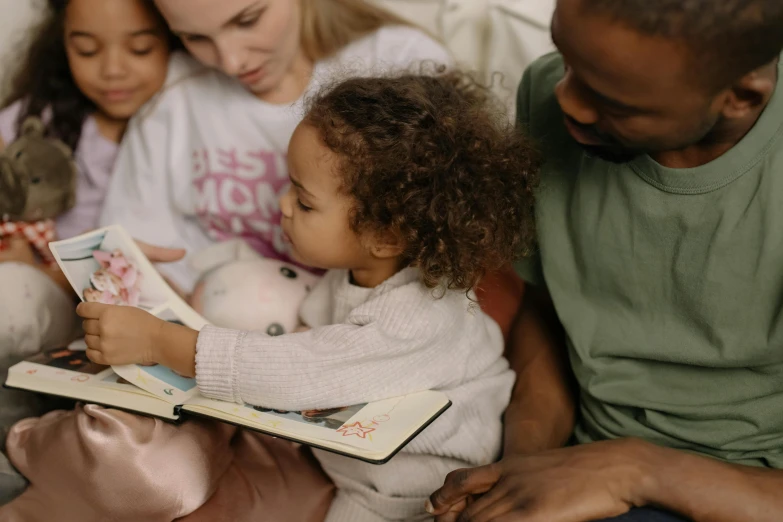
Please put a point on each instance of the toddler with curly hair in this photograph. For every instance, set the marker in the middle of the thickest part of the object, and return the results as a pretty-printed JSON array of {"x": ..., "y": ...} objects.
[{"x": 407, "y": 190}]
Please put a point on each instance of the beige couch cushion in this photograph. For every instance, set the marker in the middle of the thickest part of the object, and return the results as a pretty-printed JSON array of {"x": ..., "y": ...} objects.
[
  {"x": 519, "y": 34},
  {"x": 489, "y": 36},
  {"x": 460, "y": 24}
]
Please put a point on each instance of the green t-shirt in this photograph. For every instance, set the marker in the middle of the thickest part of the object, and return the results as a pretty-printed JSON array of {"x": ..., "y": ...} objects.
[{"x": 669, "y": 284}]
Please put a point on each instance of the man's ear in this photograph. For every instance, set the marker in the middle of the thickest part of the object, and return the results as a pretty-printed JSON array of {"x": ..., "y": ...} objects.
[{"x": 750, "y": 93}]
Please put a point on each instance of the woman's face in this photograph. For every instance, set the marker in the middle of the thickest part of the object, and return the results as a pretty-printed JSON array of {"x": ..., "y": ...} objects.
[
  {"x": 117, "y": 51},
  {"x": 255, "y": 41}
]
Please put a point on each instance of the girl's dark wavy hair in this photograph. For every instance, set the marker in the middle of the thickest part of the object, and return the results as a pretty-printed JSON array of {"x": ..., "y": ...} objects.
[
  {"x": 433, "y": 160},
  {"x": 44, "y": 79}
]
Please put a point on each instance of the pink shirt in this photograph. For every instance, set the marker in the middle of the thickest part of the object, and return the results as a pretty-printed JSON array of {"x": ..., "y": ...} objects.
[
  {"x": 95, "y": 156},
  {"x": 237, "y": 191}
]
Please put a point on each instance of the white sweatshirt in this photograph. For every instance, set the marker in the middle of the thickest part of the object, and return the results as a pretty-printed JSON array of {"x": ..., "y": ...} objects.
[
  {"x": 206, "y": 160},
  {"x": 366, "y": 345}
]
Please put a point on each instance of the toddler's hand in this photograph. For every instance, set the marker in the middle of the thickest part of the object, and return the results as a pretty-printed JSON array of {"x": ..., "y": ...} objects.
[{"x": 120, "y": 334}]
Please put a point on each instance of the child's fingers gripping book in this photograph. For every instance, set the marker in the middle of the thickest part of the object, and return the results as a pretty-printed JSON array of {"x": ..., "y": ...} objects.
[{"x": 107, "y": 266}]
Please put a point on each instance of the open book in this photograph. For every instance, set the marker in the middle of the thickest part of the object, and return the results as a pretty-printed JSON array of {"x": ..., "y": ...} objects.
[{"x": 107, "y": 266}]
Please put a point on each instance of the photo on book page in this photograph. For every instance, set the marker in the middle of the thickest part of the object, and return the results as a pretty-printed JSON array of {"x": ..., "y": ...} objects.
[
  {"x": 332, "y": 419},
  {"x": 104, "y": 266},
  {"x": 157, "y": 379},
  {"x": 65, "y": 359}
]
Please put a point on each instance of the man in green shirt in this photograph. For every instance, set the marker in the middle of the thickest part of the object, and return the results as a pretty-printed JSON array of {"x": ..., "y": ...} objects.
[{"x": 659, "y": 274}]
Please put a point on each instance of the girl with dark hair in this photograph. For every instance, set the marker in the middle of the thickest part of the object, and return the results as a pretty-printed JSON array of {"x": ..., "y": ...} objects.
[{"x": 91, "y": 65}]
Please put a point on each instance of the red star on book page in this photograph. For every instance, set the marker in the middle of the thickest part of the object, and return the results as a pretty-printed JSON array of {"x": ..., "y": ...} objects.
[{"x": 355, "y": 429}]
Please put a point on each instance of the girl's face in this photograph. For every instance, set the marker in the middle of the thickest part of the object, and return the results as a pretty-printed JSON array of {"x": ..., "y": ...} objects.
[
  {"x": 315, "y": 212},
  {"x": 255, "y": 41},
  {"x": 117, "y": 51}
]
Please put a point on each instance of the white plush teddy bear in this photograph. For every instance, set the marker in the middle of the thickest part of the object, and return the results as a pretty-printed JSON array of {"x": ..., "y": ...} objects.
[{"x": 241, "y": 290}]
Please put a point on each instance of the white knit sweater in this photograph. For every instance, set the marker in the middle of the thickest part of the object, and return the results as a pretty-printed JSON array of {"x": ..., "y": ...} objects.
[{"x": 366, "y": 345}]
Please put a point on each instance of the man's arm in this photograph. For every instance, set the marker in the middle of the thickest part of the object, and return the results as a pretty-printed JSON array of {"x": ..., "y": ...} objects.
[
  {"x": 542, "y": 409},
  {"x": 708, "y": 490}
]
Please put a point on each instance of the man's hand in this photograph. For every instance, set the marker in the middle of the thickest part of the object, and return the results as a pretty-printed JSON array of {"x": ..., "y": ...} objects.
[
  {"x": 120, "y": 334},
  {"x": 18, "y": 250},
  {"x": 588, "y": 482}
]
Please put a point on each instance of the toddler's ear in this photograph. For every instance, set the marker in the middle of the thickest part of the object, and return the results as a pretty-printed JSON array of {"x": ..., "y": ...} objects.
[
  {"x": 222, "y": 253},
  {"x": 384, "y": 245}
]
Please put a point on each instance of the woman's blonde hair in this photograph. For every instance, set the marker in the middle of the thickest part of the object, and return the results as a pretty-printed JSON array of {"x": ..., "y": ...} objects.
[{"x": 330, "y": 25}]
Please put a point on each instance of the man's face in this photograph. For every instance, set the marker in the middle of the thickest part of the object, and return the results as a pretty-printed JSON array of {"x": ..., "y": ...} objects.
[{"x": 624, "y": 93}]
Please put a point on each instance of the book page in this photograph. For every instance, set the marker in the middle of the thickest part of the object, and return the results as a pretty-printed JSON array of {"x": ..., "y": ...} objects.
[
  {"x": 370, "y": 430},
  {"x": 66, "y": 372},
  {"x": 64, "y": 365},
  {"x": 107, "y": 266}
]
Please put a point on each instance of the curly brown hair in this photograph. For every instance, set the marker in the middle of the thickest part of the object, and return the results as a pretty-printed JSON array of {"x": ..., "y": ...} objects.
[{"x": 432, "y": 159}]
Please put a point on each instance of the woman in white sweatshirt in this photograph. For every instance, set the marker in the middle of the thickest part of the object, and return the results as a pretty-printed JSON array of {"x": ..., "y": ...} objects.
[{"x": 207, "y": 161}]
